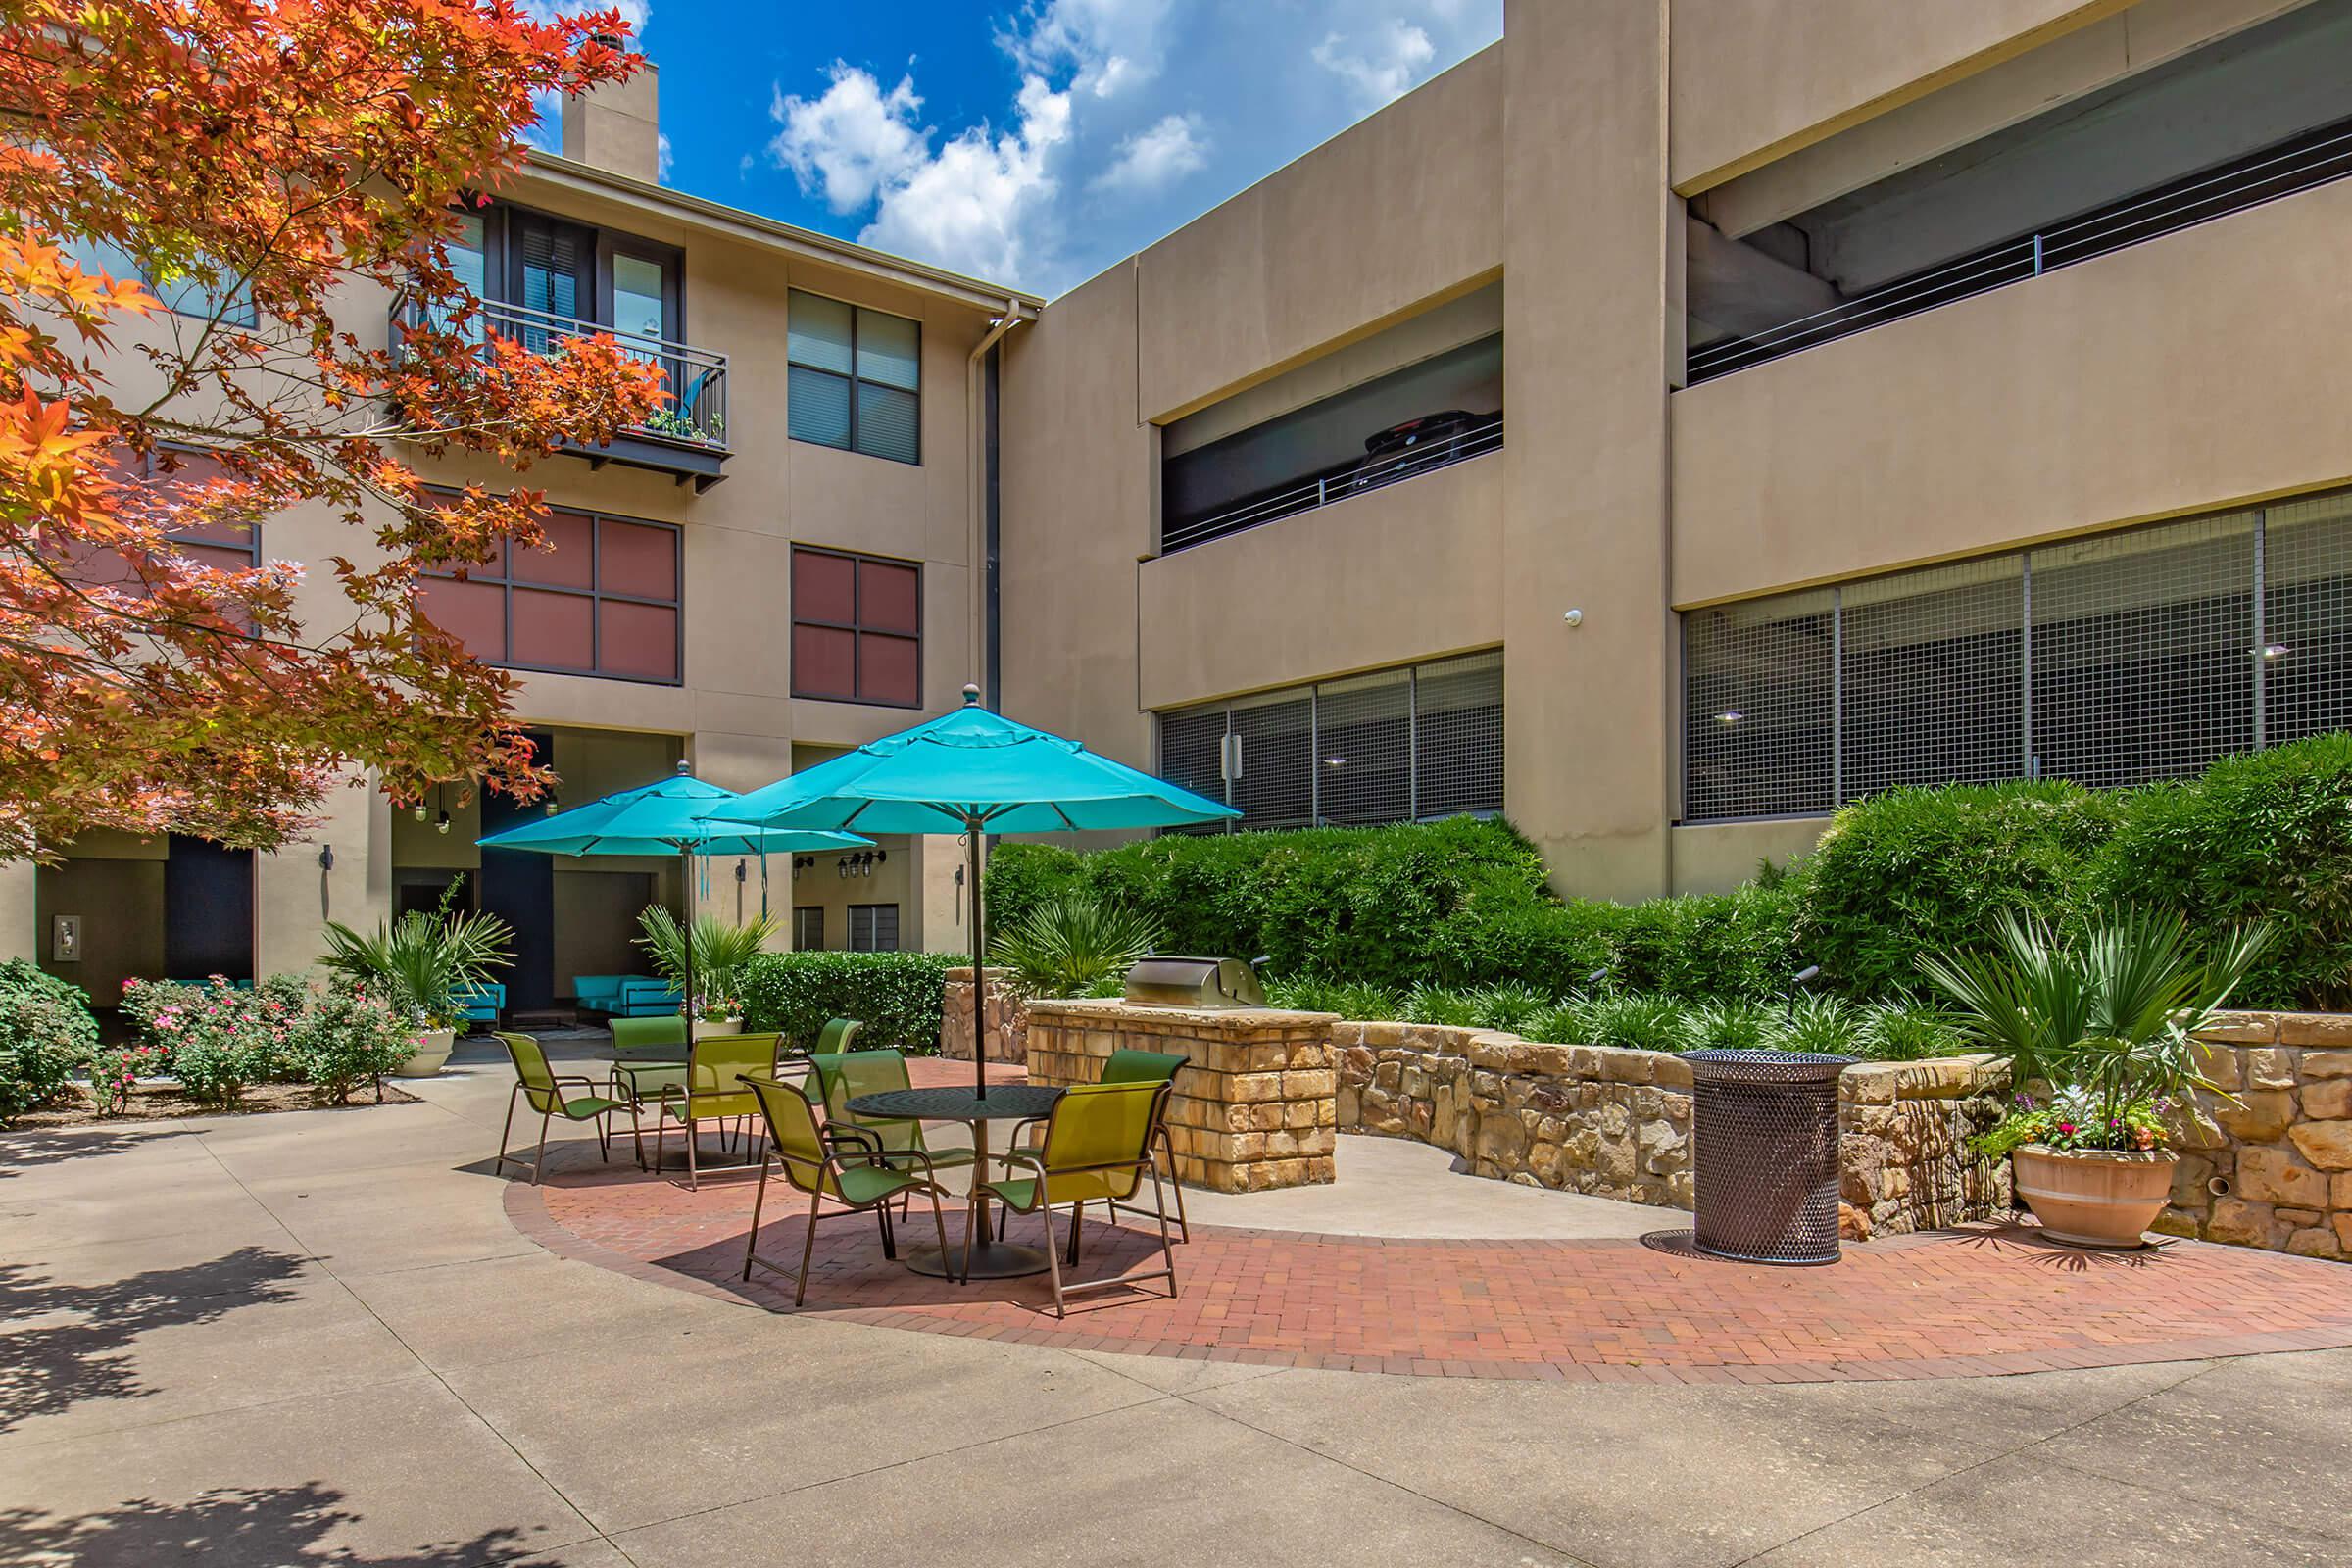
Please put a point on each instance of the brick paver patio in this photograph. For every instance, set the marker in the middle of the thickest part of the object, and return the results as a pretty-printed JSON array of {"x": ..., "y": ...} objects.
[{"x": 1981, "y": 1303}]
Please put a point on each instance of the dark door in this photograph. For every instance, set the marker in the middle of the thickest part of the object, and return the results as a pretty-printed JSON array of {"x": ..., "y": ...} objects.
[
  {"x": 519, "y": 888},
  {"x": 554, "y": 272},
  {"x": 208, "y": 910}
]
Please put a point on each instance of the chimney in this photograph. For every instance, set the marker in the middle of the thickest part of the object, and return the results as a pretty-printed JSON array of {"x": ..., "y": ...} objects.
[{"x": 618, "y": 127}]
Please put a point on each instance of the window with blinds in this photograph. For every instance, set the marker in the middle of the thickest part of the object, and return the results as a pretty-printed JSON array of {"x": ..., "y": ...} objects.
[
  {"x": 856, "y": 628},
  {"x": 809, "y": 928},
  {"x": 873, "y": 928},
  {"x": 2111, "y": 660},
  {"x": 855, "y": 379},
  {"x": 1414, "y": 743}
]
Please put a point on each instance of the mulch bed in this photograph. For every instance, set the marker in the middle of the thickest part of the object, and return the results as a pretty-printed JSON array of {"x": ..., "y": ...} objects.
[{"x": 162, "y": 1102}]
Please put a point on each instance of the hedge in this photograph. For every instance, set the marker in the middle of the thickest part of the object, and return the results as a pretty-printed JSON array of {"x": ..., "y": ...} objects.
[
  {"x": 1463, "y": 903},
  {"x": 1459, "y": 902},
  {"x": 897, "y": 995},
  {"x": 46, "y": 1031}
]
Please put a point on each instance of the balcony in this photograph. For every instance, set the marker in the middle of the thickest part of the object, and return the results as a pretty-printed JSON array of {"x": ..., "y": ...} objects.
[
  {"x": 1355, "y": 477},
  {"x": 686, "y": 439}
]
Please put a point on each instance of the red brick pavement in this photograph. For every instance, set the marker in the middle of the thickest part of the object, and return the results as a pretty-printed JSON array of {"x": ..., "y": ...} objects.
[{"x": 1981, "y": 1303}]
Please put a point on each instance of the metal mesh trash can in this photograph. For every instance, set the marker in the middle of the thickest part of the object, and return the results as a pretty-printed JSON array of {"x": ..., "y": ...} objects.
[{"x": 1764, "y": 1133}]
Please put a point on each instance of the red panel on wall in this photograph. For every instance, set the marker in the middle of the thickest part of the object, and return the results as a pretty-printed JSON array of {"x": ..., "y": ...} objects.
[
  {"x": 570, "y": 563},
  {"x": 824, "y": 587},
  {"x": 555, "y": 631},
  {"x": 638, "y": 560},
  {"x": 888, "y": 598},
  {"x": 640, "y": 641},
  {"x": 824, "y": 663},
  {"x": 473, "y": 612},
  {"x": 889, "y": 669}
]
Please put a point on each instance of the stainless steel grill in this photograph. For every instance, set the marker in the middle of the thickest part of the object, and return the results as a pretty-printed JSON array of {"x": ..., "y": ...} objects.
[
  {"x": 1176, "y": 981},
  {"x": 2117, "y": 660}
]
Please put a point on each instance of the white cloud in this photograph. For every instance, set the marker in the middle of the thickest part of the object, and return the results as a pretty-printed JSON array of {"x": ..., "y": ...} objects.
[
  {"x": 1151, "y": 160},
  {"x": 1380, "y": 70},
  {"x": 1132, "y": 115},
  {"x": 976, "y": 207},
  {"x": 663, "y": 156},
  {"x": 855, "y": 141}
]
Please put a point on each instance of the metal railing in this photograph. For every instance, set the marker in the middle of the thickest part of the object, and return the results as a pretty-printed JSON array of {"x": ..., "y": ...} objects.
[
  {"x": 1353, "y": 478},
  {"x": 696, "y": 379},
  {"x": 2249, "y": 182}
]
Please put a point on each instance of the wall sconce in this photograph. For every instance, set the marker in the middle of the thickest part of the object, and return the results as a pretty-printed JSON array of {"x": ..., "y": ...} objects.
[
  {"x": 551, "y": 808},
  {"x": 840, "y": 867},
  {"x": 327, "y": 857},
  {"x": 800, "y": 863},
  {"x": 441, "y": 822},
  {"x": 740, "y": 873},
  {"x": 420, "y": 812}
]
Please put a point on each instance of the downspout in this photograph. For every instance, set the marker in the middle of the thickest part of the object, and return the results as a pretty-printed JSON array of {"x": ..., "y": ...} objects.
[{"x": 980, "y": 494}]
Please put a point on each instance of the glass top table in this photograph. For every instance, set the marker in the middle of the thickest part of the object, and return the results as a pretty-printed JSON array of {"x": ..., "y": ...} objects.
[{"x": 991, "y": 1258}]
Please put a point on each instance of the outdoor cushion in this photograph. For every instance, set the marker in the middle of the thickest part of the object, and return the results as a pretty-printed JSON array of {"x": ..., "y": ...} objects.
[
  {"x": 598, "y": 993},
  {"x": 482, "y": 1003}
]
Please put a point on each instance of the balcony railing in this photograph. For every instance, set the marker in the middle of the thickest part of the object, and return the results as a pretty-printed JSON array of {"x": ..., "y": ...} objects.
[
  {"x": 2265, "y": 176},
  {"x": 1352, "y": 479},
  {"x": 687, "y": 436}
]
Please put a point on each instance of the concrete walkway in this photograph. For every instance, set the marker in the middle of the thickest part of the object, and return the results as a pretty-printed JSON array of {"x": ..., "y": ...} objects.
[{"x": 315, "y": 1337}]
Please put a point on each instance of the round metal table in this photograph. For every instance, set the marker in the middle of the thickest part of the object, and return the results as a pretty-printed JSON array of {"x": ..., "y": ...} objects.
[{"x": 991, "y": 1259}]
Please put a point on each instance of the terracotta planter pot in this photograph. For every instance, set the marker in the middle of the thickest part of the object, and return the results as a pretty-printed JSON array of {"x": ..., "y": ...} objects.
[
  {"x": 2094, "y": 1197},
  {"x": 432, "y": 1049}
]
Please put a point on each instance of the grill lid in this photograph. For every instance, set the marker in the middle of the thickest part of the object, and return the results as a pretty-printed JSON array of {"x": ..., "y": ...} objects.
[{"x": 1175, "y": 982}]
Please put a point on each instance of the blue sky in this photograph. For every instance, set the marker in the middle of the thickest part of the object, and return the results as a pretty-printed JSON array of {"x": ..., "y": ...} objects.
[{"x": 1031, "y": 144}]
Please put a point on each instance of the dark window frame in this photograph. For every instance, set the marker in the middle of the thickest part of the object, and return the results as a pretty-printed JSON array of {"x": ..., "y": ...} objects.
[
  {"x": 816, "y": 914},
  {"x": 873, "y": 913},
  {"x": 858, "y": 631},
  {"x": 150, "y": 473},
  {"x": 596, "y": 594},
  {"x": 853, "y": 381},
  {"x": 502, "y": 265}
]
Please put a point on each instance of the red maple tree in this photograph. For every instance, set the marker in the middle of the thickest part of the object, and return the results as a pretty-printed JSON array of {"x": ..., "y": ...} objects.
[{"x": 283, "y": 172}]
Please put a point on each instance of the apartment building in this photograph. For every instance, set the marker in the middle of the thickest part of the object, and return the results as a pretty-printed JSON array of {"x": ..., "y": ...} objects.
[
  {"x": 782, "y": 566},
  {"x": 1683, "y": 418}
]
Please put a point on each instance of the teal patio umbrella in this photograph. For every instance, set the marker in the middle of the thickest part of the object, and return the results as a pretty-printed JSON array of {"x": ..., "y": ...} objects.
[
  {"x": 670, "y": 816},
  {"x": 972, "y": 772}
]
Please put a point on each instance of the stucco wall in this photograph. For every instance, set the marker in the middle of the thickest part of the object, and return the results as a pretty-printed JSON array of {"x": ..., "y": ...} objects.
[
  {"x": 1752, "y": 80},
  {"x": 2180, "y": 374}
]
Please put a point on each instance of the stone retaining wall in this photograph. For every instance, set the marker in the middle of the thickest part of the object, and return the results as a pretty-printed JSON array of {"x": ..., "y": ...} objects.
[
  {"x": 1616, "y": 1123},
  {"x": 1255, "y": 1109},
  {"x": 1004, "y": 1018},
  {"x": 2283, "y": 1155}
]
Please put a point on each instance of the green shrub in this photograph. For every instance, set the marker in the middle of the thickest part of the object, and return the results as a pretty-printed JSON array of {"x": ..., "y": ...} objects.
[
  {"x": 218, "y": 1039},
  {"x": 2264, "y": 836},
  {"x": 1437, "y": 1005},
  {"x": 1506, "y": 1006},
  {"x": 895, "y": 995},
  {"x": 1022, "y": 878},
  {"x": 1911, "y": 871},
  {"x": 1908, "y": 1032},
  {"x": 346, "y": 1038},
  {"x": 1071, "y": 946},
  {"x": 1352, "y": 999},
  {"x": 1732, "y": 1025},
  {"x": 1560, "y": 1024},
  {"x": 1635, "y": 1021},
  {"x": 46, "y": 1031},
  {"x": 1741, "y": 944},
  {"x": 1829, "y": 1024}
]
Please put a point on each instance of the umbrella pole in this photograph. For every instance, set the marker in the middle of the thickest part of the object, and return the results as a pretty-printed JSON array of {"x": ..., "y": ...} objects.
[
  {"x": 979, "y": 975},
  {"x": 686, "y": 981}
]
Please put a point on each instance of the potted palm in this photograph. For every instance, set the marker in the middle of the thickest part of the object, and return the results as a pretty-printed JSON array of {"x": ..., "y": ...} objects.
[
  {"x": 425, "y": 963},
  {"x": 2104, "y": 1029},
  {"x": 716, "y": 950}
]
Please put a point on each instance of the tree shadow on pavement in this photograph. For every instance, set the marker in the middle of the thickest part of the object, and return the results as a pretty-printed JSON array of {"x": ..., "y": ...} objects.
[
  {"x": 28, "y": 1149},
  {"x": 266, "y": 1527},
  {"x": 78, "y": 1342}
]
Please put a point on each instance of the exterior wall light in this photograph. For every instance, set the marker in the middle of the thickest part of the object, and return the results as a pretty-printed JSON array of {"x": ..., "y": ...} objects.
[
  {"x": 1574, "y": 617},
  {"x": 2272, "y": 652}
]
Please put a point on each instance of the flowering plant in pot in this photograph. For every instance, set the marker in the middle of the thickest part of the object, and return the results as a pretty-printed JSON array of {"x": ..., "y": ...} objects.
[
  {"x": 426, "y": 964},
  {"x": 2107, "y": 1023}
]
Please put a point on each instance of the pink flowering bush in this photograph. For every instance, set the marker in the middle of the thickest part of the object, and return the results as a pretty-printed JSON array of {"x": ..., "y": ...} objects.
[
  {"x": 349, "y": 1036},
  {"x": 115, "y": 1072}
]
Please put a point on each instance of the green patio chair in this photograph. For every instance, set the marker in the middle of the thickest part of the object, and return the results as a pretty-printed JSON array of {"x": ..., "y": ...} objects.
[
  {"x": 828, "y": 1162},
  {"x": 844, "y": 1075},
  {"x": 835, "y": 1037},
  {"x": 1097, "y": 1149},
  {"x": 538, "y": 1083},
  {"x": 1126, "y": 1066},
  {"x": 712, "y": 1090},
  {"x": 649, "y": 1061}
]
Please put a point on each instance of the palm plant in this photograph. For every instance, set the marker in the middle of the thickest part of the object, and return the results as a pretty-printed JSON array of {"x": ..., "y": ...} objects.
[
  {"x": 423, "y": 962},
  {"x": 721, "y": 950},
  {"x": 1071, "y": 946},
  {"x": 2110, "y": 1019}
]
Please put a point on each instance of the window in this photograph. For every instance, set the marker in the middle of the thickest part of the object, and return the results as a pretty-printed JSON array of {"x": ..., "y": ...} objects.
[
  {"x": 184, "y": 295},
  {"x": 1394, "y": 746},
  {"x": 856, "y": 628},
  {"x": 873, "y": 928},
  {"x": 855, "y": 379},
  {"x": 603, "y": 601},
  {"x": 224, "y": 544},
  {"x": 2117, "y": 660},
  {"x": 807, "y": 927}
]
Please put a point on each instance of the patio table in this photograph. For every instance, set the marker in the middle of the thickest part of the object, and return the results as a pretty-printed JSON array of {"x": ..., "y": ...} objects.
[{"x": 991, "y": 1259}]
